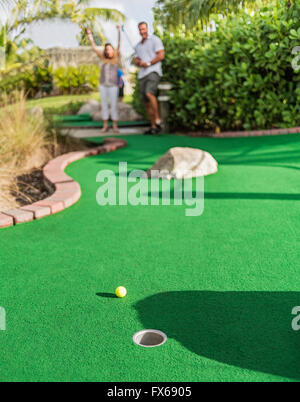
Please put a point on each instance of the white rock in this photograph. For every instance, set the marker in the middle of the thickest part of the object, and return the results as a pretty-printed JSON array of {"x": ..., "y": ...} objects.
[
  {"x": 89, "y": 107},
  {"x": 184, "y": 163}
]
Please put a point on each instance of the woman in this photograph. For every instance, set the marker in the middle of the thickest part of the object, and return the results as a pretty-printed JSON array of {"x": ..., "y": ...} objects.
[{"x": 109, "y": 82}]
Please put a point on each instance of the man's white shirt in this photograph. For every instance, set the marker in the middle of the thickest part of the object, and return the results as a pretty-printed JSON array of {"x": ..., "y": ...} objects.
[{"x": 147, "y": 51}]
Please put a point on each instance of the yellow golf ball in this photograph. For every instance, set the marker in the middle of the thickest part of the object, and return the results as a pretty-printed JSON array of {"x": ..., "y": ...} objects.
[{"x": 121, "y": 291}]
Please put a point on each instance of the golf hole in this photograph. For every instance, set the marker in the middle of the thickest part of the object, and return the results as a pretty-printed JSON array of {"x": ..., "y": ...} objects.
[{"x": 149, "y": 338}]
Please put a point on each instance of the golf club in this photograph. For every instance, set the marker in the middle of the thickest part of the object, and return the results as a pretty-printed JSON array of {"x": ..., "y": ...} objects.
[{"x": 127, "y": 36}]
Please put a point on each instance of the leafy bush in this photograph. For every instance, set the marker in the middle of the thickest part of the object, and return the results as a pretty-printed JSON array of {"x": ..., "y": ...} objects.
[
  {"x": 137, "y": 101},
  {"x": 77, "y": 80},
  {"x": 30, "y": 79},
  {"x": 40, "y": 77},
  {"x": 238, "y": 76}
]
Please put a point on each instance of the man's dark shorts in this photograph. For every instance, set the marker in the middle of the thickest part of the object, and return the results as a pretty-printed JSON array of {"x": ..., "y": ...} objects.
[{"x": 149, "y": 84}]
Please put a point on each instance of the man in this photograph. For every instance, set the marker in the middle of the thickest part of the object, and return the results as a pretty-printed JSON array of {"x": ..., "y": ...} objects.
[{"x": 149, "y": 56}]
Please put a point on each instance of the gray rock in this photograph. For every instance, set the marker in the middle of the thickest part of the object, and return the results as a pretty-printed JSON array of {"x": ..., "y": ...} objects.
[
  {"x": 97, "y": 115},
  {"x": 89, "y": 107},
  {"x": 183, "y": 163},
  {"x": 36, "y": 111},
  {"x": 126, "y": 113}
]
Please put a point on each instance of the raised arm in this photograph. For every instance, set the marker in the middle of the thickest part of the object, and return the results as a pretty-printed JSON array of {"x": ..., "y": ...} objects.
[
  {"x": 119, "y": 38},
  {"x": 96, "y": 50}
]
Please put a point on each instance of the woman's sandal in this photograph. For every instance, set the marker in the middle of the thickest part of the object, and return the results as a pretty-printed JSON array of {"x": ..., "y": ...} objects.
[{"x": 104, "y": 130}]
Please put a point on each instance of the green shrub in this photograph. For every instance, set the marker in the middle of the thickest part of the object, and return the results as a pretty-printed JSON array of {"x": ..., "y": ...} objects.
[
  {"x": 238, "y": 76},
  {"x": 69, "y": 80},
  {"x": 136, "y": 100},
  {"x": 30, "y": 79},
  {"x": 77, "y": 80}
]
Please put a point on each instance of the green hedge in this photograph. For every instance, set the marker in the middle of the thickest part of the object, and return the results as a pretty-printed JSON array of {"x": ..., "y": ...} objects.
[
  {"x": 77, "y": 80},
  {"x": 238, "y": 76},
  {"x": 69, "y": 80},
  {"x": 137, "y": 103}
]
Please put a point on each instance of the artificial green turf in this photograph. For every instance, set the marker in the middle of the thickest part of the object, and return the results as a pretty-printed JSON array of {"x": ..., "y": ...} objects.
[
  {"x": 222, "y": 286},
  {"x": 72, "y": 118}
]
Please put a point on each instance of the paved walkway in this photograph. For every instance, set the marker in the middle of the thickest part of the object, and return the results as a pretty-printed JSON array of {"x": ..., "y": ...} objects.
[{"x": 90, "y": 133}]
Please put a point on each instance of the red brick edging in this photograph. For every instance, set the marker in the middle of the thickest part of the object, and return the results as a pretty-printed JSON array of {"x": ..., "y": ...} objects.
[
  {"x": 251, "y": 133},
  {"x": 67, "y": 191}
]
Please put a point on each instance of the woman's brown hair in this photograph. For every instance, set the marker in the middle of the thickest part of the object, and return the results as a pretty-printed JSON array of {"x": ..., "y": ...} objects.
[{"x": 105, "y": 54}]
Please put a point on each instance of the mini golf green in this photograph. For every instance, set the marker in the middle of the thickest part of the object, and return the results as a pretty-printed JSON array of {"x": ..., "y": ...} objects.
[
  {"x": 72, "y": 118},
  {"x": 85, "y": 121},
  {"x": 221, "y": 286}
]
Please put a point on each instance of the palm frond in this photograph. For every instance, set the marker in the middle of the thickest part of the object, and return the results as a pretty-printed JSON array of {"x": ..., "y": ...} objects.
[
  {"x": 190, "y": 12},
  {"x": 104, "y": 13},
  {"x": 73, "y": 10},
  {"x": 5, "y": 3}
]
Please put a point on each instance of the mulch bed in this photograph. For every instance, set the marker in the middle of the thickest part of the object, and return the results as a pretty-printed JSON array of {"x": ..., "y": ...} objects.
[{"x": 31, "y": 188}]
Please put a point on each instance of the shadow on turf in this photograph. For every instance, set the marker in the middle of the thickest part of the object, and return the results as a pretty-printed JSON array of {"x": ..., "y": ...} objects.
[
  {"x": 233, "y": 196},
  {"x": 107, "y": 295},
  {"x": 251, "y": 330},
  {"x": 258, "y": 151}
]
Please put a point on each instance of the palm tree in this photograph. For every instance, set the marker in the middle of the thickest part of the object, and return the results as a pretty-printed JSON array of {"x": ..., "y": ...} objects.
[
  {"x": 171, "y": 13},
  {"x": 15, "y": 53},
  {"x": 23, "y": 13}
]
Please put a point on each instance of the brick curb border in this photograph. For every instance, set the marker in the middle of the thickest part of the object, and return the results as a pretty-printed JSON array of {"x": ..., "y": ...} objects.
[
  {"x": 67, "y": 191},
  {"x": 251, "y": 133}
]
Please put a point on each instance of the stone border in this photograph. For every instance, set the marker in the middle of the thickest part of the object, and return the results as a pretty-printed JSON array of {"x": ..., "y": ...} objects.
[
  {"x": 67, "y": 192},
  {"x": 253, "y": 133}
]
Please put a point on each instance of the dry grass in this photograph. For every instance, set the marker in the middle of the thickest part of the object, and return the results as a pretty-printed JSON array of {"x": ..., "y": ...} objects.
[{"x": 24, "y": 146}]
